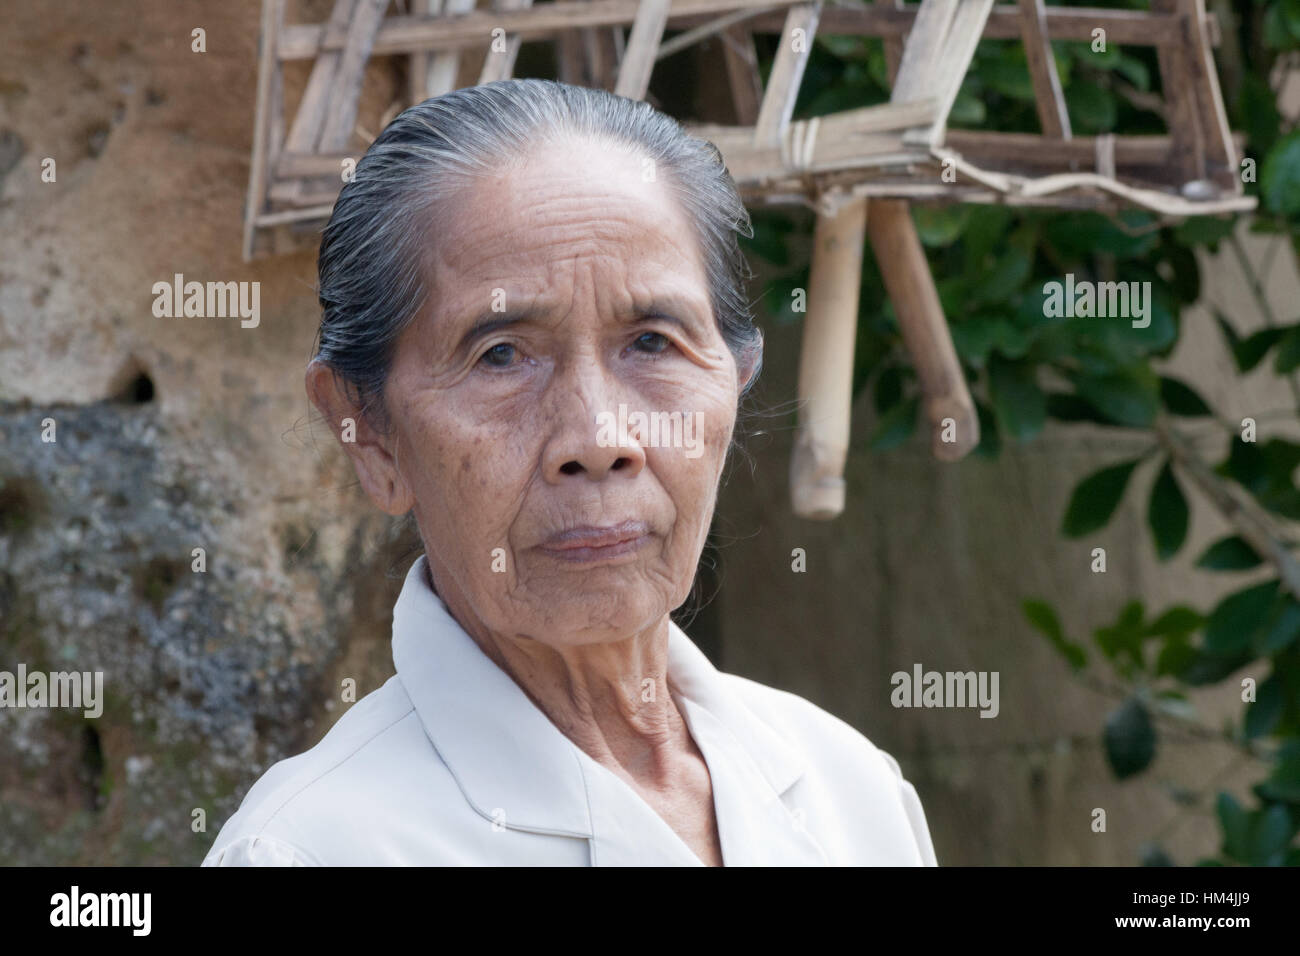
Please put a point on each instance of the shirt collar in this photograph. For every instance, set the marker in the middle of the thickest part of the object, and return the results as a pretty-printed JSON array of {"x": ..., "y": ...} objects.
[{"x": 509, "y": 760}]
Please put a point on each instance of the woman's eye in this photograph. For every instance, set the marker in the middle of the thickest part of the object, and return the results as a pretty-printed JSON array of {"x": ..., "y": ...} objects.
[
  {"x": 499, "y": 355},
  {"x": 652, "y": 342}
]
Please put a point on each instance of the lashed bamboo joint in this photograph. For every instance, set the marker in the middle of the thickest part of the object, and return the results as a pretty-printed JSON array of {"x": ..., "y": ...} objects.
[{"x": 857, "y": 168}]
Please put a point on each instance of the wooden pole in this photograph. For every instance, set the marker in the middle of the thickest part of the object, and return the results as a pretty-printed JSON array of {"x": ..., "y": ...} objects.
[
  {"x": 948, "y": 407},
  {"x": 826, "y": 364},
  {"x": 272, "y": 18}
]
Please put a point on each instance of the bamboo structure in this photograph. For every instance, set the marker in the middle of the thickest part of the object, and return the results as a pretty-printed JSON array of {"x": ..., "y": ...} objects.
[{"x": 858, "y": 168}]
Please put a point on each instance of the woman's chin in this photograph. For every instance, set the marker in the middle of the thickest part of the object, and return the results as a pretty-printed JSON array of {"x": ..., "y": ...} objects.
[{"x": 594, "y": 615}]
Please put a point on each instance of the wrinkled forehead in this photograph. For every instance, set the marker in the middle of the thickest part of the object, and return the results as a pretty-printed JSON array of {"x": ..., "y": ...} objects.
[{"x": 570, "y": 211}]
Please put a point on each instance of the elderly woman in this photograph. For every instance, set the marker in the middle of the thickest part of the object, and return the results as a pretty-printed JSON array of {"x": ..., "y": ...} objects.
[{"x": 516, "y": 270}]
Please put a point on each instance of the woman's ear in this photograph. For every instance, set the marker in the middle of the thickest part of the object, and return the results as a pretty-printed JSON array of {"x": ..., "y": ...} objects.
[{"x": 372, "y": 454}]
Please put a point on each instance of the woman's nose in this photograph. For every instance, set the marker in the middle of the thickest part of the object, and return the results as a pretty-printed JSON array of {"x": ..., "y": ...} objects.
[{"x": 590, "y": 432}]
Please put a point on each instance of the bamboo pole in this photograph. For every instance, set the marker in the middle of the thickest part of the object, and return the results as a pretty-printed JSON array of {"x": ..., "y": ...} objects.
[
  {"x": 272, "y": 18},
  {"x": 948, "y": 406},
  {"x": 410, "y": 34},
  {"x": 826, "y": 363}
]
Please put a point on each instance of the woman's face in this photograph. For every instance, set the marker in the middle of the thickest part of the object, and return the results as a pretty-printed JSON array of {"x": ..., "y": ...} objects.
[{"x": 569, "y": 300}]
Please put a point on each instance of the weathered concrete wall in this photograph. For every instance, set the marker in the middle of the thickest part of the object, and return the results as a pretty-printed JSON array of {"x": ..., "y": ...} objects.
[{"x": 172, "y": 434}]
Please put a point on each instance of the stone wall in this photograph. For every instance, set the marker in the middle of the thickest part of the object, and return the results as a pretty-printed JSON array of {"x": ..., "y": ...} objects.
[{"x": 171, "y": 434}]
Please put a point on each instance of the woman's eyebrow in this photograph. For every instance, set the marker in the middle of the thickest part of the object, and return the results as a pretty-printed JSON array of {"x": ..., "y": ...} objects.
[
  {"x": 490, "y": 321},
  {"x": 683, "y": 313},
  {"x": 669, "y": 309}
]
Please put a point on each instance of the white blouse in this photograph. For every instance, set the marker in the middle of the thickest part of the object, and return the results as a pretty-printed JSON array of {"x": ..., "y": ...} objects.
[{"x": 450, "y": 763}]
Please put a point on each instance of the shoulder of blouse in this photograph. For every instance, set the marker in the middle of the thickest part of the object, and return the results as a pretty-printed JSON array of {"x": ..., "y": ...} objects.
[
  {"x": 253, "y": 835},
  {"x": 259, "y": 850},
  {"x": 837, "y": 753}
]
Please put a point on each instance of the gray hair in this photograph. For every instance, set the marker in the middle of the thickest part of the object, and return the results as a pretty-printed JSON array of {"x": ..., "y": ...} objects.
[{"x": 371, "y": 279}]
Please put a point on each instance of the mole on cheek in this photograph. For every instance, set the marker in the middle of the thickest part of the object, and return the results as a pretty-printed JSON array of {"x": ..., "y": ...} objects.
[{"x": 464, "y": 463}]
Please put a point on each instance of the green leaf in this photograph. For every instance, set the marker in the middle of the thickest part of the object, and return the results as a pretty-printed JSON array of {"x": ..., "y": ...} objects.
[
  {"x": 1130, "y": 739},
  {"x": 1179, "y": 619},
  {"x": 1246, "y": 465},
  {"x": 1130, "y": 397},
  {"x": 1234, "y": 821},
  {"x": 1167, "y": 514},
  {"x": 1043, "y": 617},
  {"x": 1095, "y": 499},
  {"x": 1232, "y": 553},
  {"x": 1248, "y": 352},
  {"x": 1185, "y": 275},
  {"x": 1009, "y": 340},
  {"x": 1018, "y": 403},
  {"x": 1260, "y": 117},
  {"x": 976, "y": 337},
  {"x": 1237, "y": 617},
  {"x": 1006, "y": 276},
  {"x": 1135, "y": 71},
  {"x": 1273, "y": 830},
  {"x": 1291, "y": 16},
  {"x": 1071, "y": 408},
  {"x": 896, "y": 425},
  {"x": 1287, "y": 359},
  {"x": 1284, "y": 782},
  {"x": 1176, "y": 655},
  {"x": 1083, "y": 234},
  {"x": 1106, "y": 59},
  {"x": 1262, "y": 715},
  {"x": 1266, "y": 470},
  {"x": 1181, "y": 399},
  {"x": 844, "y": 47},
  {"x": 967, "y": 110},
  {"x": 1007, "y": 72},
  {"x": 877, "y": 69},
  {"x": 1204, "y": 230},
  {"x": 984, "y": 231},
  {"x": 1124, "y": 637},
  {"x": 954, "y": 292},
  {"x": 1092, "y": 108},
  {"x": 1281, "y": 629},
  {"x": 1204, "y": 667},
  {"x": 1161, "y": 315},
  {"x": 1282, "y": 500},
  {"x": 1279, "y": 176},
  {"x": 940, "y": 226},
  {"x": 1277, "y": 36},
  {"x": 1254, "y": 347}
]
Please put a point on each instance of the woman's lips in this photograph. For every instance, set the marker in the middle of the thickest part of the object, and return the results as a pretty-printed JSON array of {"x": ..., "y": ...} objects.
[{"x": 597, "y": 543}]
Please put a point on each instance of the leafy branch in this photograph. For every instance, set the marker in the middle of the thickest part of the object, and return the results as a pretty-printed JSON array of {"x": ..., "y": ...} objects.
[{"x": 1027, "y": 366}]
